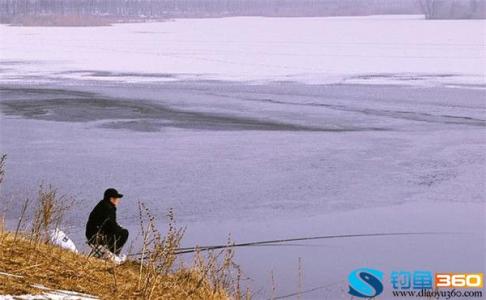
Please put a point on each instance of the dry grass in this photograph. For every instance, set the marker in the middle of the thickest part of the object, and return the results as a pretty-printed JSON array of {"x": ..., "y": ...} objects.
[
  {"x": 60, "y": 269},
  {"x": 215, "y": 271},
  {"x": 157, "y": 274},
  {"x": 3, "y": 160},
  {"x": 49, "y": 213}
]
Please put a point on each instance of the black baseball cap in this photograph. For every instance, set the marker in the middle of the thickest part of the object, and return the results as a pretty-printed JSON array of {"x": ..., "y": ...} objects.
[{"x": 111, "y": 192}]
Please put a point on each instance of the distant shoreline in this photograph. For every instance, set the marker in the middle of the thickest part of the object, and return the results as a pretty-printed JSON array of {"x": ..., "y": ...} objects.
[{"x": 99, "y": 13}]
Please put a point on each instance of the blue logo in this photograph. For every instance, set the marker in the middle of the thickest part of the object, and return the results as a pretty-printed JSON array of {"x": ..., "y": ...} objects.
[
  {"x": 365, "y": 283},
  {"x": 417, "y": 280}
]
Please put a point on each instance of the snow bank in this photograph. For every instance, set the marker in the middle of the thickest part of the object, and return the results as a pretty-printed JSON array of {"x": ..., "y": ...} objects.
[
  {"x": 378, "y": 49},
  {"x": 49, "y": 294},
  {"x": 55, "y": 295}
]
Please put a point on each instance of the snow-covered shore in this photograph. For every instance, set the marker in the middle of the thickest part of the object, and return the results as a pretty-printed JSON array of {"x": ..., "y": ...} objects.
[{"x": 376, "y": 49}]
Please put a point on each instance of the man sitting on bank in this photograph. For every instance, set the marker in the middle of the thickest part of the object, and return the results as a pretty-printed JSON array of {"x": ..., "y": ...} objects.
[{"x": 102, "y": 228}]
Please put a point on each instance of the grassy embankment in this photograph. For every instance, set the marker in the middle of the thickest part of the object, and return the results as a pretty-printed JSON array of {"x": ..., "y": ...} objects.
[{"x": 26, "y": 253}]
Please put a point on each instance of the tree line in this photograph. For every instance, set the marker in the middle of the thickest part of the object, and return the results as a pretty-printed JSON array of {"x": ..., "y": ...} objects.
[
  {"x": 453, "y": 9},
  {"x": 433, "y": 9},
  {"x": 205, "y": 8}
]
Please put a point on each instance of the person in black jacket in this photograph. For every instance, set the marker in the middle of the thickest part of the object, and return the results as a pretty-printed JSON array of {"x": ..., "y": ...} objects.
[{"x": 102, "y": 228}]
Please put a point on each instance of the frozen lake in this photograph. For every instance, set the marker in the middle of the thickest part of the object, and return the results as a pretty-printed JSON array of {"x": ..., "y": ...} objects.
[
  {"x": 374, "y": 49},
  {"x": 358, "y": 138},
  {"x": 265, "y": 162}
]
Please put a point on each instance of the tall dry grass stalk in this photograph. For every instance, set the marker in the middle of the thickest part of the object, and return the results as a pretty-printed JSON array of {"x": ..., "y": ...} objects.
[
  {"x": 2, "y": 224},
  {"x": 20, "y": 222},
  {"x": 158, "y": 252},
  {"x": 274, "y": 286},
  {"x": 3, "y": 160},
  {"x": 219, "y": 268},
  {"x": 301, "y": 280},
  {"x": 5, "y": 203},
  {"x": 49, "y": 213}
]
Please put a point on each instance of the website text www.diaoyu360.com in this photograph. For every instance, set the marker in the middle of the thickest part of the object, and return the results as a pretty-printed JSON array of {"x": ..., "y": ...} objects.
[{"x": 439, "y": 294}]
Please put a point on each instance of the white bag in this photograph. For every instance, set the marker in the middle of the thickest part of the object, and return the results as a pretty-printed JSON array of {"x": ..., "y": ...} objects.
[{"x": 59, "y": 238}]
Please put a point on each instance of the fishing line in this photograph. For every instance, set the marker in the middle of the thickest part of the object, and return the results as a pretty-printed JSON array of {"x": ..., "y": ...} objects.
[{"x": 306, "y": 291}]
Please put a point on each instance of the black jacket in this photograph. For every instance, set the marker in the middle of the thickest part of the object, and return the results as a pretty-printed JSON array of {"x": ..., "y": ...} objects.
[{"x": 102, "y": 220}]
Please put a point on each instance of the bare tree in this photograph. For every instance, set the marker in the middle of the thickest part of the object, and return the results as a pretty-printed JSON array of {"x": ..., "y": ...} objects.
[{"x": 428, "y": 7}]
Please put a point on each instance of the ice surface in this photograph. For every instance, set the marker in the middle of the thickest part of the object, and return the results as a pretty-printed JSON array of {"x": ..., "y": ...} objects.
[
  {"x": 376, "y": 49},
  {"x": 404, "y": 159}
]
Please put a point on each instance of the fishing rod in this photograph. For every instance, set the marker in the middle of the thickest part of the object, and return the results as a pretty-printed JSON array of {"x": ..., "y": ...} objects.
[{"x": 186, "y": 250}]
